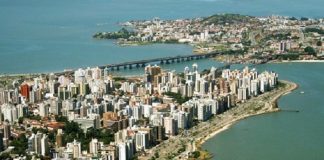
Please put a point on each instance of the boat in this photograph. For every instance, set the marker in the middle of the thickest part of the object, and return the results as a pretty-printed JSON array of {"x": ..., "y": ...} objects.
[{"x": 302, "y": 92}]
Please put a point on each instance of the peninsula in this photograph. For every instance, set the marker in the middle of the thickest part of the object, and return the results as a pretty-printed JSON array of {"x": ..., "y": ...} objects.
[
  {"x": 245, "y": 39},
  {"x": 196, "y": 136},
  {"x": 87, "y": 113}
]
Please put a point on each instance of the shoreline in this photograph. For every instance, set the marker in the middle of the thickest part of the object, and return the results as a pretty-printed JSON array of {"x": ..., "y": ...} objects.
[
  {"x": 199, "y": 134},
  {"x": 293, "y": 86},
  {"x": 297, "y": 61},
  {"x": 115, "y": 73}
]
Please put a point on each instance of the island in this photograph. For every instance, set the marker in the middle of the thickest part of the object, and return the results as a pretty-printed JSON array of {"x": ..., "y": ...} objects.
[{"x": 244, "y": 39}]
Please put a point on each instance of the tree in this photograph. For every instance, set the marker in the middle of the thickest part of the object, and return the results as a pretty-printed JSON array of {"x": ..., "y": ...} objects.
[
  {"x": 304, "y": 19},
  {"x": 34, "y": 117},
  {"x": 289, "y": 56},
  {"x": 20, "y": 144},
  {"x": 119, "y": 78},
  {"x": 156, "y": 155},
  {"x": 61, "y": 118},
  {"x": 293, "y": 18},
  {"x": 42, "y": 130},
  {"x": 196, "y": 154},
  {"x": 51, "y": 137},
  {"x": 315, "y": 30},
  {"x": 300, "y": 45},
  {"x": 93, "y": 133},
  {"x": 319, "y": 43},
  {"x": 177, "y": 97},
  {"x": 117, "y": 85},
  {"x": 21, "y": 120},
  {"x": 34, "y": 130},
  {"x": 310, "y": 50},
  {"x": 5, "y": 156},
  {"x": 107, "y": 137},
  {"x": 72, "y": 128},
  {"x": 72, "y": 131}
]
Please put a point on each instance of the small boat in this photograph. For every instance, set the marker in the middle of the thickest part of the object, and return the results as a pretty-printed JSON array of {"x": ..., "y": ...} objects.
[{"x": 302, "y": 92}]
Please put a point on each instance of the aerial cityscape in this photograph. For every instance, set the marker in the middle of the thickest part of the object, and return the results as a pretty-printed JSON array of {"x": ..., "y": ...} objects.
[
  {"x": 126, "y": 80},
  {"x": 247, "y": 39}
]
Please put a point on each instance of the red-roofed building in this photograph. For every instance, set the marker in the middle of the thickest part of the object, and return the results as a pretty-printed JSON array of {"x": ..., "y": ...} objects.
[{"x": 24, "y": 91}]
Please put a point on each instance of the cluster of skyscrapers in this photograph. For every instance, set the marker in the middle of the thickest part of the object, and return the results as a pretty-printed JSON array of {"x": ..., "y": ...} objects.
[{"x": 141, "y": 112}]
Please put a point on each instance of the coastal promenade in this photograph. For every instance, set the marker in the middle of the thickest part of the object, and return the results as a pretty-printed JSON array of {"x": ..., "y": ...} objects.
[{"x": 197, "y": 135}]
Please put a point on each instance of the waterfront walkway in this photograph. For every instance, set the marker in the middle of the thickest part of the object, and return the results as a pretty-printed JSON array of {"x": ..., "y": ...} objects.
[{"x": 197, "y": 135}]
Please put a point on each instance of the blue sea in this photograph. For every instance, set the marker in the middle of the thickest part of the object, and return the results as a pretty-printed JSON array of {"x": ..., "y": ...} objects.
[{"x": 47, "y": 36}]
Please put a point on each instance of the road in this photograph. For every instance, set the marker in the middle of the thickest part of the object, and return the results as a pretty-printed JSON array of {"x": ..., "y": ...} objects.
[{"x": 264, "y": 103}]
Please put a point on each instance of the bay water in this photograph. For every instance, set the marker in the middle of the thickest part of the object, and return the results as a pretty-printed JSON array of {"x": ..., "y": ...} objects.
[{"x": 47, "y": 36}]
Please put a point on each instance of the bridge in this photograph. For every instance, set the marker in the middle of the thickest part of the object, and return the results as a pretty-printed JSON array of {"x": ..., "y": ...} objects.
[{"x": 163, "y": 60}]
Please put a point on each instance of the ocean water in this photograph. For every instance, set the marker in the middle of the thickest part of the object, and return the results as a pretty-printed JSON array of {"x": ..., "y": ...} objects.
[
  {"x": 282, "y": 135},
  {"x": 47, "y": 36}
]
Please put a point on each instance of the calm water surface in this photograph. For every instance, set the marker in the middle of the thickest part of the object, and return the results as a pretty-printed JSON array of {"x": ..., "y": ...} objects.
[
  {"x": 46, "y": 36},
  {"x": 282, "y": 135}
]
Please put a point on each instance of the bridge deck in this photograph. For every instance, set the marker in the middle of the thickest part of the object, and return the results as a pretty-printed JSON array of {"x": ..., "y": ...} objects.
[
  {"x": 207, "y": 55},
  {"x": 162, "y": 59}
]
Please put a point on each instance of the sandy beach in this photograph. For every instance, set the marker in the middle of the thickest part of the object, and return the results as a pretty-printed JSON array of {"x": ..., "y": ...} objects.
[
  {"x": 266, "y": 109},
  {"x": 307, "y": 61},
  {"x": 298, "y": 61}
]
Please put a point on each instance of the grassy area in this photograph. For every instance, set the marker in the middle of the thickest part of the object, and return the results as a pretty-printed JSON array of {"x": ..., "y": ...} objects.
[
  {"x": 289, "y": 56},
  {"x": 200, "y": 154},
  {"x": 122, "y": 33},
  {"x": 314, "y": 30},
  {"x": 177, "y": 97},
  {"x": 223, "y": 19},
  {"x": 119, "y": 78}
]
